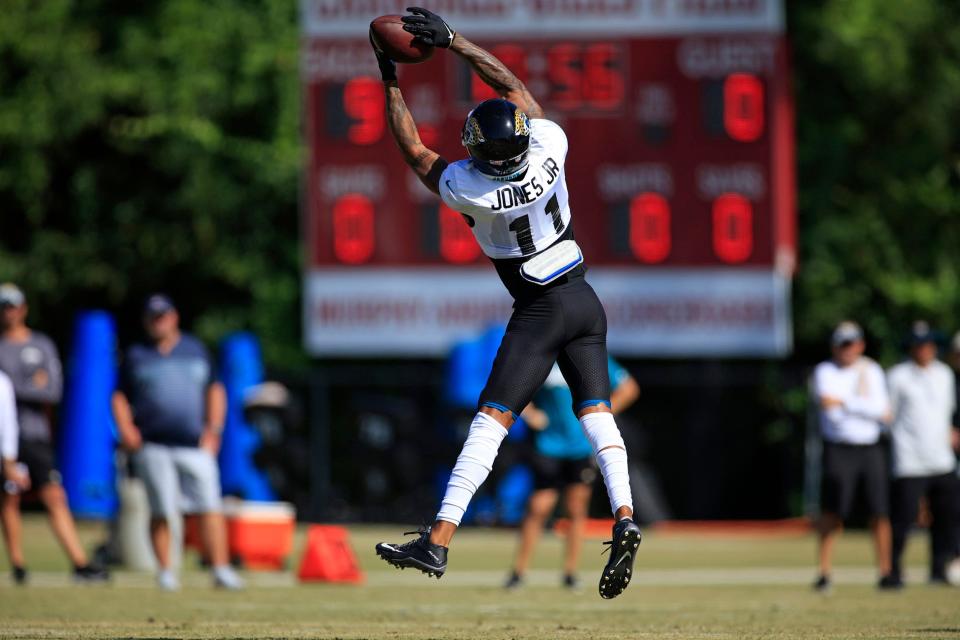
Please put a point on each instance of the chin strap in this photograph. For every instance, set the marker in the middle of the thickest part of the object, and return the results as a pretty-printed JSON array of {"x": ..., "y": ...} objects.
[{"x": 513, "y": 176}]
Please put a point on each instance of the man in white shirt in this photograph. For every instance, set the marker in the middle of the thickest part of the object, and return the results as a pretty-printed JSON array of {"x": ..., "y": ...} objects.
[
  {"x": 9, "y": 435},
  {"x": 922, "y": 395},
  {"x": 851, "y": 394},
  {"x": 15, "y": 477},
  {"x": 955, "y": 364}
]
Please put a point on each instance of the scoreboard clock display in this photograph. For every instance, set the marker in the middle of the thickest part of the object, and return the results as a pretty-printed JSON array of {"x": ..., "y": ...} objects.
[{"x": 680, "y": 173}]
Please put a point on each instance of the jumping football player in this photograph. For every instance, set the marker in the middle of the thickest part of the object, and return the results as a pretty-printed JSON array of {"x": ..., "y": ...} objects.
[{"x": 512, "y": 192}]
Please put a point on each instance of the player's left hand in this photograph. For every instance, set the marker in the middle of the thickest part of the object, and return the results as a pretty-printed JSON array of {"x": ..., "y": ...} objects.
[
  {"x": 388, "y": 68},
  {"x": 428, "y": 28}
]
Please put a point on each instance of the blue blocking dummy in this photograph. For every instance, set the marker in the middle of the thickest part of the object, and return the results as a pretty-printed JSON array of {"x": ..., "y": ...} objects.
[
  {"x": 468, "y": 367},
  {"x": 87, "y": 438},
  {"x": 241, "y": 367}
]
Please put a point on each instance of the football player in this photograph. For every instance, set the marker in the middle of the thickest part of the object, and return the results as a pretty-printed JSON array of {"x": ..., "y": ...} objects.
[{"x": 512, "y": 192}]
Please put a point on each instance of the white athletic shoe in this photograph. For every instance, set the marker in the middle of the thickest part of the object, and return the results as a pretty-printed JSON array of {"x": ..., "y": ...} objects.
[
  {"x": 226, "y": 578},
  {"x": 167, "y": 581},
  {"x": 953, "y": 572}
]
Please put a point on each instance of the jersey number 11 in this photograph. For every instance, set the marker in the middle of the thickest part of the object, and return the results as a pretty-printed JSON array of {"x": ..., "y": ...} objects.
[{"x": 521, "y": 226}]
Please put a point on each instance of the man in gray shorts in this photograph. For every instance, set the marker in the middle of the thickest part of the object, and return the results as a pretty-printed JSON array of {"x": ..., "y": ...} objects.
[
  {"x": 30, "y": 360},
  {"x": 170, "y": 411}
]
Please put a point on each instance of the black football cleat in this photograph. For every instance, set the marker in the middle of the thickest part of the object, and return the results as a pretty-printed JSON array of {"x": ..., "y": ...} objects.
[
  {"x": 90, "y": 574},
  {"x": 823, "y": 584},
  {"x": 623, "y": 551},
  {"x": 890, "y": 582},
  {"x": 420, "y": 554},
  {"x": 20, "y": 575},
  {"x": 514, "y": 581}
]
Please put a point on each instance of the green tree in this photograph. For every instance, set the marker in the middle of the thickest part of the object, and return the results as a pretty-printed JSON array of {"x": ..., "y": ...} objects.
[
  {"x": 154, "y": 146},
  {"x": 878, "y": 99}
]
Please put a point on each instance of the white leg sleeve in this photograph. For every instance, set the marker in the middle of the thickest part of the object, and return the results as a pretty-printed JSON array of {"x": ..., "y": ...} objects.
[
  {"x": 473, "y": 466},
  {"x": 602, "y": 432}
]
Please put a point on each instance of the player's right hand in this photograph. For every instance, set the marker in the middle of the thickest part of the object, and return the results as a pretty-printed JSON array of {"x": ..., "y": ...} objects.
[
  {"x": 16, "y": 477},
  {"x": 130, "y": 439},
  {"x": 388, "y": 68}
]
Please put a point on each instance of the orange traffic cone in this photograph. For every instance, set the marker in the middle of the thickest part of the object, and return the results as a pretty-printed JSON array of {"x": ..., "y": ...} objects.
[{"x": 329, "y": 557}]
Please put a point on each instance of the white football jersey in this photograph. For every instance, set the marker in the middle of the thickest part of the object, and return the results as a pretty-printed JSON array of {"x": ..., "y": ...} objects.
[{"x": 519, "y": 218}]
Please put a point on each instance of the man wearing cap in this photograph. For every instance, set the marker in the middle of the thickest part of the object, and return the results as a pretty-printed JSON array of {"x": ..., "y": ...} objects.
[
  {"x": 922, "y": 396},
  {"x": 851, "y": 395},
  {"x": 170, "y": 411},
  {"x": 953, "y": 572},
  {"x": 30, "y": 360}
]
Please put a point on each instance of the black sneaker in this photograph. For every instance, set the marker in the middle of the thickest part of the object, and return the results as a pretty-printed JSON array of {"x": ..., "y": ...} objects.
[
  {"x": 890, "y": 582},
  {"x": 19, "y": 576},
  {"x": 420, "y": 554},
  {"x": 513, "y": 581},
  {"x": 571, "y": 582},
  {"x": 90, "y": 573},
  {"x": 822, "y": 585},
  {"x": 616, "y": 575}
]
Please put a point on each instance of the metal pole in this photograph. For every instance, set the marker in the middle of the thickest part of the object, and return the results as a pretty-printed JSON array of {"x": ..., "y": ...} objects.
[{"x": 320, "y": 419}]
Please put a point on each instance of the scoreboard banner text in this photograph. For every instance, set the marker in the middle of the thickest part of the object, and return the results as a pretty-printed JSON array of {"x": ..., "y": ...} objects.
[
  {"x": 683, "y": 313},
  {"x": 533, "y": 18}
]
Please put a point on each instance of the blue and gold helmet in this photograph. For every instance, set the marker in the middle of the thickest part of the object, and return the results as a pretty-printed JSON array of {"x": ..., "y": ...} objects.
[{"x": 497, "y": 137}]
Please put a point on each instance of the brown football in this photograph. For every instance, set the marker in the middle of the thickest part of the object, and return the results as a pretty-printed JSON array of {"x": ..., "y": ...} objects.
[{"x": 397, "y": 43}]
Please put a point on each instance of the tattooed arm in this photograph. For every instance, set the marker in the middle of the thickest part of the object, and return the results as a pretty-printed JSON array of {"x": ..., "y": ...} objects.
[
  {"x": 496, "y": 74},
  {"x": 426, "y": 163}
]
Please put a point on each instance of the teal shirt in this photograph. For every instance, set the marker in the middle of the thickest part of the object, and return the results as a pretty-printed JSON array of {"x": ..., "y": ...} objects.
[{"x": 563, "y": 437}]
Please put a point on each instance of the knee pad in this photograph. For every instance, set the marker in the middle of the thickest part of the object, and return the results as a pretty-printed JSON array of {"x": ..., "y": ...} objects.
[
  {"x": 601, "y": 430},
  {"x": 483, "y": 441}
]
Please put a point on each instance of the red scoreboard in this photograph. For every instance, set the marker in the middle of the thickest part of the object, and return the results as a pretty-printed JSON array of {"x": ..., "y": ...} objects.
[{"x": 680, "y": 172}]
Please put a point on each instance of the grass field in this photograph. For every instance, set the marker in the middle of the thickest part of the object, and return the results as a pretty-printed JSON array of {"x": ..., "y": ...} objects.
[{"x": 687, "y": 586}]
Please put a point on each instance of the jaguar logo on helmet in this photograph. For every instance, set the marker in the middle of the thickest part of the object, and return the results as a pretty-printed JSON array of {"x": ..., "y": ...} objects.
[
  {"x": 472, "y": 134},
  {"x": 521, "y": 124}
]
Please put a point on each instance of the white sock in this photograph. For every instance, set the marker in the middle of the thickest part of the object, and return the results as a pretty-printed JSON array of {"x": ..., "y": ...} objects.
[
  {"x": 602, "y": 432},
  {"x": 473, "y": 466}
]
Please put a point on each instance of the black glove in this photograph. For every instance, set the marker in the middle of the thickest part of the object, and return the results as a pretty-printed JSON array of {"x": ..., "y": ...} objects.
[
  {"x": 428, "y": 27},
  {"x": 388, "y": 68}
]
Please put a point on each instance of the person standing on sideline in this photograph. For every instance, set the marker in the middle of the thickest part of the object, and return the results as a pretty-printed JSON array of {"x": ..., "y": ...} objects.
[
  {"x": 923, "y": 399},
  {"x": 30, "y": 360},
  {"x": 851, "y": 395},
  {"x": 170, "y": 412},
  {"x": 563, "y": 460},
  {"x": 953, "y": 571},
  {"x": 15, "y": 478}
]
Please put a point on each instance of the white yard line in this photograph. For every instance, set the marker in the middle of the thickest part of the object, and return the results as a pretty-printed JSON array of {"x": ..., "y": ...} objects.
[{"x": 740, "y": 576}]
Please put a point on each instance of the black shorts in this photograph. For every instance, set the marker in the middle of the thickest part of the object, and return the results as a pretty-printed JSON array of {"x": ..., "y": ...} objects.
[
  {"x": 847, "y": 466},
  {"x": 39, "y": 460},
  {"x": 559, "y": 473},
  {"x": 566, "y": 325}
]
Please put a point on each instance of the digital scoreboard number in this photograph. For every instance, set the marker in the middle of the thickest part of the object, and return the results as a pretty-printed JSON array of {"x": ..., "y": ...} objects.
[{"x": 680, "y": 173}]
